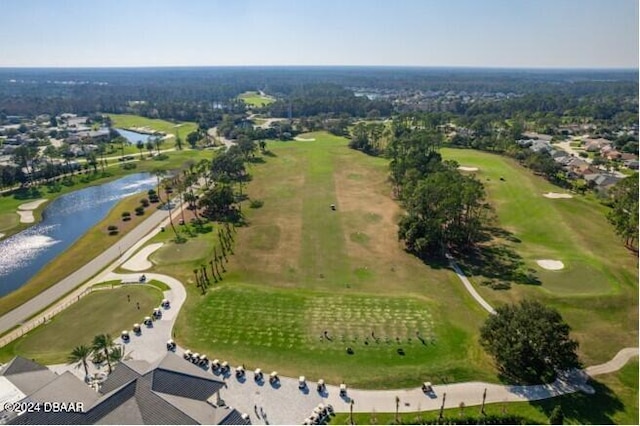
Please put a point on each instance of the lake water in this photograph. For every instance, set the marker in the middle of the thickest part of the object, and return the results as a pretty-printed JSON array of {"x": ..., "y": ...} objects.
[
  {"x": 133, "y": 137},
  {"x": 65, "y": 220}
]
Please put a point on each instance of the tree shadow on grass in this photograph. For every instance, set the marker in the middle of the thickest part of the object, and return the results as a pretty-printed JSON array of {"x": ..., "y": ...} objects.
[
  {"x": 498, "y": 262},
  {"x": 581, "y": 408},
  {"x": 269, "y": 153}
]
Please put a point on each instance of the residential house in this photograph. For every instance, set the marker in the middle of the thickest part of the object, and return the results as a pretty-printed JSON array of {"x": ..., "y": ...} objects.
[
  {"x": 601, "y": 181},
  {"x": 595, "y": 145}
]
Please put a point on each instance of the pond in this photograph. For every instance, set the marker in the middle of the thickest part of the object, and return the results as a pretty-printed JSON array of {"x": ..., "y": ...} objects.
[
  {"x": 134, "y": 137},
  {"x": 64, "y": 220}
]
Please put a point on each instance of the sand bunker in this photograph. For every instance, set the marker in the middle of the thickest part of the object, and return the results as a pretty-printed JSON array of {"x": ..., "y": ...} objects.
[
  {"x": 25, "y": 211},
  {"x": 140, "y": 261},
  {"x": 1, "y": 235},
  {"x": 557, "y": 195},
  {"x": 298, "y": 138},
  {"x": 468, "y": 169},
  {"x": 551, "y": 265},
  {"x": 32, "y": 205}
]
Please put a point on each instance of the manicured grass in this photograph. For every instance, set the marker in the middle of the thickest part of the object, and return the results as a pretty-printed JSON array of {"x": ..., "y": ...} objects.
[
  {"x": 102, "y": 311},
  {"x": 615, "y": 402},
  {"x": 255, "y": 99},
  {"x": 597, "y": 290},
  {"x": 172, "y": 253},
  {"x": 394, "y": 339},
  {"x": 127, "y": 121},
  {"x": 95, "y": 241},
  {"x": 298, "y": 257}
]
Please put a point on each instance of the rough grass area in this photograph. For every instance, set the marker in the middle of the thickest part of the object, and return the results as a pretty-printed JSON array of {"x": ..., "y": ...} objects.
[
  {"x": 102, "y": 311},
  {"x": 254, "y": 99},
  {"x": 596, "y": 292},
  {"x": 127, "y": 121},
  {"x": 301, "y": 268}
]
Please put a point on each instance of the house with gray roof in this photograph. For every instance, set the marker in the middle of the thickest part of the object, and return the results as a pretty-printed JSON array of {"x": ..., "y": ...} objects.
[{"x": 170, "y": 391}]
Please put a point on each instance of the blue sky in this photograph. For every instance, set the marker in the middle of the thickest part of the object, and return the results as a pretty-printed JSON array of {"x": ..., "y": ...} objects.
[{"x": 476, "y": 33}]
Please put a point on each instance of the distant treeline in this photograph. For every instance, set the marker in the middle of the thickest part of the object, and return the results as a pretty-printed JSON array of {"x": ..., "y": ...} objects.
[{"x": 204, "y": 94}]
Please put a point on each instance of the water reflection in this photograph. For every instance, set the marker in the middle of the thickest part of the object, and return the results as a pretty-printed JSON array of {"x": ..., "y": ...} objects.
[{"x": 64, "y": 221}]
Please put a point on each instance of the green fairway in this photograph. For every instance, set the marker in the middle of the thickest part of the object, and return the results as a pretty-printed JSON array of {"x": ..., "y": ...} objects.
[
  {"x": 102, "y": 311},
  {"x": 127, "y": 121},
  {"x": 301, "y": 268},
  {"x": 597, "y": 289},
  {"x": 254, "y": 99}
]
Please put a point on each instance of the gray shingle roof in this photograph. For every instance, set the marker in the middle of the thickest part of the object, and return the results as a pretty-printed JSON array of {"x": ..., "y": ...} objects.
[
  {"x": 183, "y": 385},
  {"x": 27, "y": 375},
  {"x": 21, "y": 365},
  {"x": 171, "y": 392}
]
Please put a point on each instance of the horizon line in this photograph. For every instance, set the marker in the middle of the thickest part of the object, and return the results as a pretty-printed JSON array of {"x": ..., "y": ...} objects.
[{"x": 467, "y": 67}]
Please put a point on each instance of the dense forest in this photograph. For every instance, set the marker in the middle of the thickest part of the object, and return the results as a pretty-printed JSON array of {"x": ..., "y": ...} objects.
[{"x": 204, "y": 94}]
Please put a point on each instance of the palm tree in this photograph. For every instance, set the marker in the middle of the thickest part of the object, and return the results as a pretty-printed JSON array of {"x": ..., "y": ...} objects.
[
  {"x": 103, "y": 342},
  {"x": 80, "y": 354},
  {"x": 116, "y": 354},
  {"x": 140, "y": 146}
]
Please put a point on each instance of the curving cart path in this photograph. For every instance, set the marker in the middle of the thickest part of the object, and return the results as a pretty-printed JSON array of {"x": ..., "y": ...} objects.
[{"x": 285, "y": 403}]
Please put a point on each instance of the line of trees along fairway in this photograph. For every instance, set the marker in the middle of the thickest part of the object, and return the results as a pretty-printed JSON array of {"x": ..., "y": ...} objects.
[
  {"x": 445, "y": 210},
  {"x": 624, "y": 210}
]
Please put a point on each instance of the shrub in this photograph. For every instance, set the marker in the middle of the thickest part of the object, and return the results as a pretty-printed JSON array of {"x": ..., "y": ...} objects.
[
  {"x": 144, "y": 202},
  {"x": 139, "y": 211},
  {"x": 113, "y": 230},
  {"x": 129, "y": 166},
  {"x": 161, "y": 157},
  {"x": 256, "y": 204},
  {"x": 151, "y": 192},
  {"x": 126, "y": 216}
]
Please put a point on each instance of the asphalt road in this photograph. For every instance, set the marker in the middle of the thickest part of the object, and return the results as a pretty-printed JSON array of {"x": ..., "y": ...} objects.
[{"x": 55, "y": 292}]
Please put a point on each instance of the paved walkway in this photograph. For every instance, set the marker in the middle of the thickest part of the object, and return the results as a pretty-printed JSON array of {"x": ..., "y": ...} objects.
[
  {"x": 115, "y": 254},
  {"x": 140, "y": 261},
  {"x": 472, "y": 291},
  {"x": 285, "y": 403}
]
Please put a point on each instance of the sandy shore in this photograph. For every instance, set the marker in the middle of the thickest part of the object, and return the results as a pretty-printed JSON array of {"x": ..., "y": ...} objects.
[
  {"x": 557, "y": 195},
  {"x": 25, "y": 211},
  {"x": 551, "y": 265}
]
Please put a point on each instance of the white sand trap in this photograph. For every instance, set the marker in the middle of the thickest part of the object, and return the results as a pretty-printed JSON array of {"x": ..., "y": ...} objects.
[
  {"x": 1, "y": 235},
  {"x": 140, "y": 261},
  {"x": 298, "y": 138},
  {"x": 26, "y": 216},
  {"x": 32, "y": 205},
  {"x": 557, "y": 195},
  {"x": 468, "y": 169},
  {"x": 551, "y": 265},
  {"x": 25, "y": 211}
]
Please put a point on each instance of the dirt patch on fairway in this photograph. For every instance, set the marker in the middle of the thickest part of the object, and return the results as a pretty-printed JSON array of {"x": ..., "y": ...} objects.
[
  {"x": 369, "y": 218},
  {"x": 557, "y": 195},
  {"x": 468, "y": 169},
  {"x": 271, "y": 244},
  {"x": 550, "y": 265}
]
